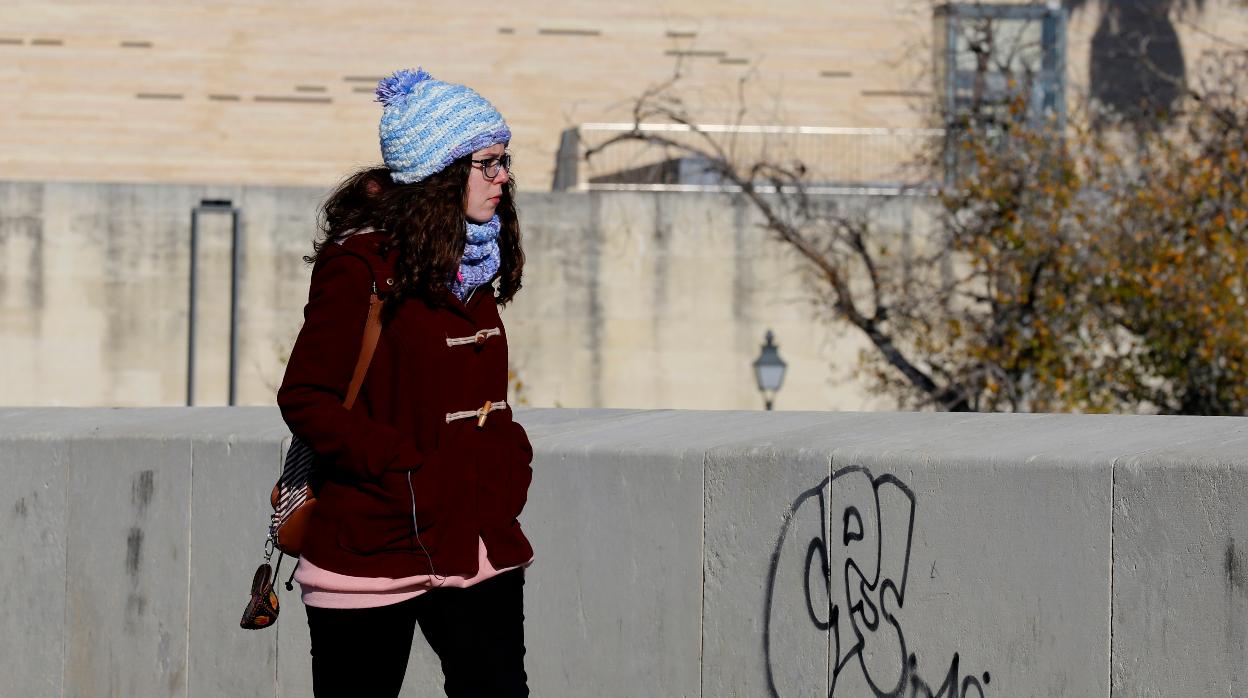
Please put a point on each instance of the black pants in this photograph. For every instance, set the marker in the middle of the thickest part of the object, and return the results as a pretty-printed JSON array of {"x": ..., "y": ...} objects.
[{"x": 477, "y": 633}]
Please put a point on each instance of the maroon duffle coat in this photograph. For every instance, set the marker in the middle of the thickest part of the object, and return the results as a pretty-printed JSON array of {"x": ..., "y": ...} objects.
[{"x": 466, "y": 481}]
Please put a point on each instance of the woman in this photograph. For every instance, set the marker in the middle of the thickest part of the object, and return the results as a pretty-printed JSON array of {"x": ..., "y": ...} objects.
[{"x": 424, "y": 478}]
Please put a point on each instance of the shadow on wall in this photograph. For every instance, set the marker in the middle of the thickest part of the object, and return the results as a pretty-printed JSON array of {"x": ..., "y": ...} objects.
[{"x": 1137, "y": 66}]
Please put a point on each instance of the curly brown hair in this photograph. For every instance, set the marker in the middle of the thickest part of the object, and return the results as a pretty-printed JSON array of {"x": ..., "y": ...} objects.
[{"x": 425, "y": 225}]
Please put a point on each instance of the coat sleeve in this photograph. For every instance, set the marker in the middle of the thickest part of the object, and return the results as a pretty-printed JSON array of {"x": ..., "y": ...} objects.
[{"x": 319, "y": 373}]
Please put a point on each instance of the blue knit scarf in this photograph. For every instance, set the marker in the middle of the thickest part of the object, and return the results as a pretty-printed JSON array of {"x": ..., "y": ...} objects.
[{"x": 481, "y": 258}]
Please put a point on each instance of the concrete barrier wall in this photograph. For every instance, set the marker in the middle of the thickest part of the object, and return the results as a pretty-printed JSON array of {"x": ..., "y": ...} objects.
[
  {"x": 640, "y": 300},
  {"x": 678, "y": 554}
]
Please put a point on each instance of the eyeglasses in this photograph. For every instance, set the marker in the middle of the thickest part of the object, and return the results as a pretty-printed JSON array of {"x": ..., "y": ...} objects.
[{"x": 490, "y": 167}]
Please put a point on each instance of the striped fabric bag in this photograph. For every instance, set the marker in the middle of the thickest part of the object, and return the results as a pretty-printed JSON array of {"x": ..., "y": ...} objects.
[{"x": 292, "y": 498}]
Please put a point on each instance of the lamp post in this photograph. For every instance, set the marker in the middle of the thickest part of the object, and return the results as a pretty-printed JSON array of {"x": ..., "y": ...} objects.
[{"x": 769, "y": 370}]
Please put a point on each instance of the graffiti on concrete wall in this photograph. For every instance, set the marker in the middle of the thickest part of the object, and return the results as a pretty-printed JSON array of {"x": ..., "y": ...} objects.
[{"x": 837, "y": 582}]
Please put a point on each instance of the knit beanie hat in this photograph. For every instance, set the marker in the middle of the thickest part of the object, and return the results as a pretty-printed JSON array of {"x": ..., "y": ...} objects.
[{"x": 427, "y": 124}]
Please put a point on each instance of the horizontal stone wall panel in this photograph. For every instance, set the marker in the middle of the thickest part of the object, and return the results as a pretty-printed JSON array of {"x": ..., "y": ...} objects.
[
  {"x": 657, "y": 529},
  {"x": 613, "y": 597},
  {"x": 760, "y": 634},
  {"x": 94, "y": 278},
  {"x": 969, "y": 570},
  {"x": 33, "y": 517},
  {"x": 230, "y": 485},
  {"x": 1009, "y": 552},
  {"x": 127, "y": 586},
  {"x": 1180, "y": 623}
]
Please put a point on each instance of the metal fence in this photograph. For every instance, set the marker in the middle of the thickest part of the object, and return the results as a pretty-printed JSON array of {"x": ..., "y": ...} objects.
[{"x": 835, "y": 160}]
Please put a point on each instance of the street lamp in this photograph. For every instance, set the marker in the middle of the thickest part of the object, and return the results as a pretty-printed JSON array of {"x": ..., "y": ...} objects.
[{"x": 769, "y": 370}]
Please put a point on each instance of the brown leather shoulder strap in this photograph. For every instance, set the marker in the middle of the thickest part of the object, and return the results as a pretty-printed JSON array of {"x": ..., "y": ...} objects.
[{"x": 372, "y": 332}]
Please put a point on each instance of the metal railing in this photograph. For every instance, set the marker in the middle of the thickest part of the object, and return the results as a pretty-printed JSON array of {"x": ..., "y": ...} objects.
[{"x": 835, "y": 159}]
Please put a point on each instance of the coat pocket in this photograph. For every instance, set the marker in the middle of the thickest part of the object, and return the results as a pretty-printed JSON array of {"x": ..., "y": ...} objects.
[
  {"x": 396, "y": 514},
  {"x": 520, "y": 469}
]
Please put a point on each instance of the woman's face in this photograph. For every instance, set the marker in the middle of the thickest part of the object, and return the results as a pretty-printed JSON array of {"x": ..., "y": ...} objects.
[{"x": 485, "y": 192}]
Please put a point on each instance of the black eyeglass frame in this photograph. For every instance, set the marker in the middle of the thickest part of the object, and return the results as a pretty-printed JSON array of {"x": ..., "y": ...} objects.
[{"x": 497, "y": 164}]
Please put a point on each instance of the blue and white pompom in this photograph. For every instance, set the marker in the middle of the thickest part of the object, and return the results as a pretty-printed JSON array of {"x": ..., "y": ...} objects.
[
  {"x": 400, "y": 84},
  {"x": 427, "y": 124}
]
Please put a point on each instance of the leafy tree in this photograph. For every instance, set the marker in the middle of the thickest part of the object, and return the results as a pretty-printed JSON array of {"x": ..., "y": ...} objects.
[
  {"x": 1073, "y": 269},
  {"x": 1172, "y": 237}
]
